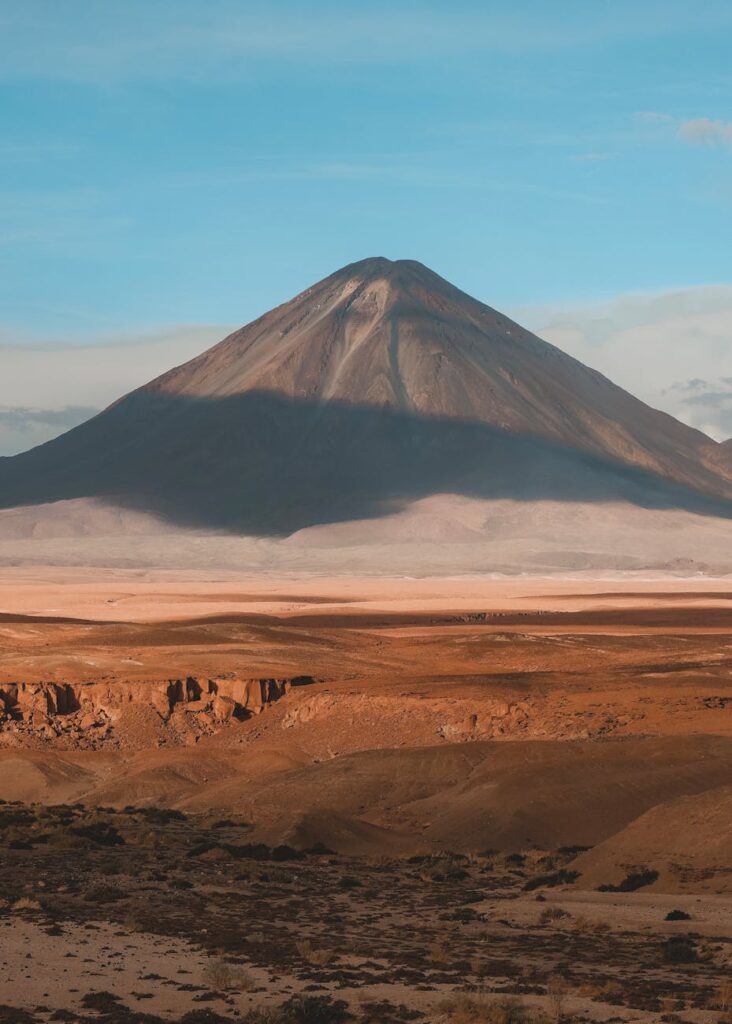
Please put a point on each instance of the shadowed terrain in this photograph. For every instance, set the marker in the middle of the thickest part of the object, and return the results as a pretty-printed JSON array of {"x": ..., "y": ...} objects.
[{"x": 264, "y": 464}]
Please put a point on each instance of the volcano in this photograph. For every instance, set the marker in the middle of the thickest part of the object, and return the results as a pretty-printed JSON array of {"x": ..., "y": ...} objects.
[{"x": 378, "y": 389}]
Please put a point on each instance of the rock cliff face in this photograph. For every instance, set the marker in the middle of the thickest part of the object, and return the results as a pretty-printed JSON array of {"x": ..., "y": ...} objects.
[{"x": 94, "y": 714}]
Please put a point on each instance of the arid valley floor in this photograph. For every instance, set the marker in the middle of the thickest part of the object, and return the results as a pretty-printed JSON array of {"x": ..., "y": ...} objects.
[{"x": 293, "y": 799}]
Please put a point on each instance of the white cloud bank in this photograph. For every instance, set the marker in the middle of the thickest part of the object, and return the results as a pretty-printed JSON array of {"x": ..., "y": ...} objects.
[
  {"x": 47, "y": 388},
  {"x": 673, "y": 350}
]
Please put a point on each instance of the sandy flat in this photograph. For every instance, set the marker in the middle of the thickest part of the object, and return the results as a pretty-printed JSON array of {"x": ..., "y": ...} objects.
[{"x": 148, "y": 595}]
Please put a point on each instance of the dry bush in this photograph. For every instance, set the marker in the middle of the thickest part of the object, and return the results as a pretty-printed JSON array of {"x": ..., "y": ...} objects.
[
  {"x": 25, "y": 903},
  {"x": 611, "y": 991},
  {"x": 132, "y": 923},
  {"x": 723, "y": 1000},
  {"x": 584, "y": 924},
  {"x": 724, "y": 995},
  {"x": 464, "y": 1009},
  {"x": 317, "y": 957},
  {"x": 219, "y": 976},
  {"x": 439, "y": 954},
  {"x": 552, "y": 914},
  {"x": 556, "y": 990},
  {"x": 266, "y": 1015},
  {"x": 476, "y": 965}
]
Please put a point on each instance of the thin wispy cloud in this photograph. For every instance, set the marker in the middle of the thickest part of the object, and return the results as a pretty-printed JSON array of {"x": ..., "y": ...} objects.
[
  {"x": 386, "y": 169},
  {"x": 84, "y": 39},
  {"x": 706, "y": 132},
  {"x": 63, "y": 220},
  {"x": 699, "y": 131},
  {"x": 654, "y": 117}
]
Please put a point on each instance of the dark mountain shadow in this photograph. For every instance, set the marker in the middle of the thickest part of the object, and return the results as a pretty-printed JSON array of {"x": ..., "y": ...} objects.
[{"x": 262, "y": 464}]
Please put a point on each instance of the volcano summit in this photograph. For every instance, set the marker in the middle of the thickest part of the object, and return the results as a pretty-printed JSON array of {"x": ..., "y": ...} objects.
[{"x": 380, "y": 407}]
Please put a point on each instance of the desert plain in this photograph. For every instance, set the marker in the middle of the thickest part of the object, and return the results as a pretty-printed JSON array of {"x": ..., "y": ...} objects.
[{"x": 299, "y": 798}]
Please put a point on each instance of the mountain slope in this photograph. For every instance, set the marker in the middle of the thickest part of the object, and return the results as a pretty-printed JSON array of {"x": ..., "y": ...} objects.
[
  {"x": 379, "y": 386},
  {"x": 396, "y": 334}
]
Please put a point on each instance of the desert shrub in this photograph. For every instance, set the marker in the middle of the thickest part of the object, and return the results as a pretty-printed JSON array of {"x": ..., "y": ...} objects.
[
  {"x": 101, "y": 1002},
  {"x": 680, "y": 949},
  {"x": 677, "y": 915},
  {"x": 556, "y": 990},
  {"x": 350, "y": 882},
  {"x": 381, "y": 1011},
  {"x": 16, "y": 815},
  {"x": 319, "y": 850},
  {"x": 552, "y": 914},
  {"x": 439, "y": 953},
  {"x": 66, "y": 839},
  {"x": 516, "y": 859},
  {"x": 276, "y": 876},
  {"x": 586, "y": 924},
  {"x": 723, "y": 998},
  {"x": 101, "y": 833},
  {"x": 299, "y": 1010},
  {"x": 318, "y": 957},
  {"x": 259, "y": 851},
  {"x": 25, "y": 904},
  {"x": 103, "y": 894},
  {"x": 631, "y": 882},
  {"x": 464, "y": 1009},
  {"x": 262, "y": 1015},
  {"x": 550, "y": 881},
  {"x": 314, "y": 1010},
  {"x": 465, "y": 915},
  {"x": 609, "y": 991},
  {"x": 220, "y": 976},
  {"x": 158, "y": 815}
]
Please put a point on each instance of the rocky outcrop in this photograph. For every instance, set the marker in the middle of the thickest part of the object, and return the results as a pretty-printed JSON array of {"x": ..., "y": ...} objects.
[{"x": 88, "y": 713}]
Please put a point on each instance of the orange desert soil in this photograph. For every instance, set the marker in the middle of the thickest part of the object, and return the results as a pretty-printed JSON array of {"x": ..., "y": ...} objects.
[
  {"x": 485, "y": 787},
  {"x": 304, "y": 702}
]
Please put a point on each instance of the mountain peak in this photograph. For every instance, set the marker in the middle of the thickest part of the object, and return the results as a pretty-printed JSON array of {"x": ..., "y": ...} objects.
[
  {"x": 398, "y": 273},
  {"x": 382, "y": 265},
  {"x": 393, "y": 334}
]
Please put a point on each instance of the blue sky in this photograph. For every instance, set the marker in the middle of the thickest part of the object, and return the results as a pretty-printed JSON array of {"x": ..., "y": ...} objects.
[
  {"x": 195, "y": 162},
  {"x": 170, "y": 160}
]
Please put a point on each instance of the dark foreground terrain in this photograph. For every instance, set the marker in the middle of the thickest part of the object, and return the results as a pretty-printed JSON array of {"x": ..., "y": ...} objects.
[{"x": 143, "y": 916}]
